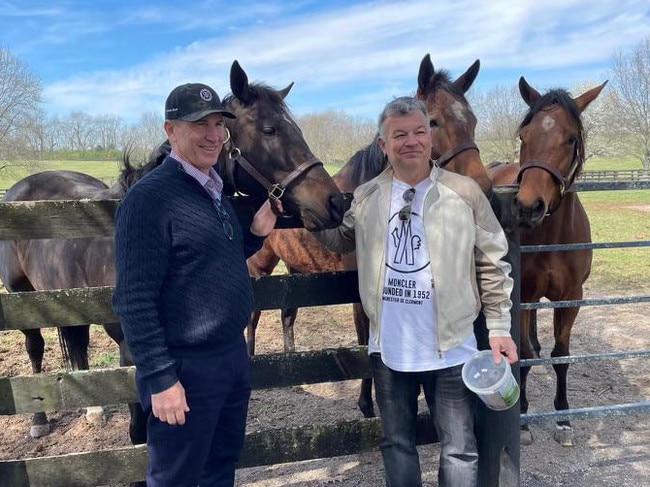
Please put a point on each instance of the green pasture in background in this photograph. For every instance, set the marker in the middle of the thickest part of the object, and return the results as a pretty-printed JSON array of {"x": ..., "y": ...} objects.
[{"x": 615, "y": 216}]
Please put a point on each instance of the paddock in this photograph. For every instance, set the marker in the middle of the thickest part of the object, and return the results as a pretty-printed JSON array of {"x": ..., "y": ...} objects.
[{"x": 20, "y": 394}]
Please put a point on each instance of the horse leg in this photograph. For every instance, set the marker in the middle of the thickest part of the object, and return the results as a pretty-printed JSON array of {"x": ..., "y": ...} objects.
[
  {"x": 362, "y": 326},
  {"x": 288, "y": 318},
  {"x": 251, "y": 328},
  {"x": 534, "y": 341},
  {"x": 35, "y": 346},
  {"x": 526, "y": 352},
  {"x": 74, "y": 341},
  {"x": 563, "y": 319}
]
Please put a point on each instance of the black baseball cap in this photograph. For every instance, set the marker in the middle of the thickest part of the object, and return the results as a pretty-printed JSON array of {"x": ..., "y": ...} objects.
[{"x": 193, "y": 101}]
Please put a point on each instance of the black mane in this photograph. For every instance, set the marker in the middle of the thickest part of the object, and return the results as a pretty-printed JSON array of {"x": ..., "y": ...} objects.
[{"x": 367, "y": 162}]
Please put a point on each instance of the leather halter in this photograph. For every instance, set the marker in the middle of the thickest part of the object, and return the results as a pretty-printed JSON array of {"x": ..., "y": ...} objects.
[
  {"x": 444, "y": 159},
  {"x": 563, "y": 182},
  {"x": 276, "y": 190}
]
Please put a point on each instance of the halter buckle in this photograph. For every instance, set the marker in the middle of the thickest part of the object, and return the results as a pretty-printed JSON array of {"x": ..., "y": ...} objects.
[{"x": 276, "y": 192}]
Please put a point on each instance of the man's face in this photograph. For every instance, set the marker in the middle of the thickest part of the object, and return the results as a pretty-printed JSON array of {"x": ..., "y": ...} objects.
[
  {"x": 200, "y": 142},
  {"x": 407, "y": 140}
]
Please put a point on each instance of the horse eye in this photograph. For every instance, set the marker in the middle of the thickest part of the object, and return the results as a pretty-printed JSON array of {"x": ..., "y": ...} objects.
[
  {"x": 432, "y": 123},
  {"x": 572, "y": 140},
  {"x": 268, "y": 130}
]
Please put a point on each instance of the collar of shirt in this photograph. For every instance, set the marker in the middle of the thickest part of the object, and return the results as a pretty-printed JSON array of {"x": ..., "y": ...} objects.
[{"x": 213, "y": 183}]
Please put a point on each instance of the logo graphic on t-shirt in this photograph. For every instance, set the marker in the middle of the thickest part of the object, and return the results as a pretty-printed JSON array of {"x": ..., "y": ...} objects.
[{"x": 407, "y": 252}]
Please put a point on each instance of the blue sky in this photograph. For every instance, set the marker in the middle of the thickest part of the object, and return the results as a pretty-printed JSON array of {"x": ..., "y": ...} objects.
[{"x": 123, "y": 57}]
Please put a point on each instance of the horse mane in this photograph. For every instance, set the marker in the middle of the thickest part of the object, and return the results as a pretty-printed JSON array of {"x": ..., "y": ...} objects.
[
  {"x": 131, "y": 173},
  {"x": 367, "y": 163},
  {"x": 441, "y": 80},
  {"x": 561, "y": 97}
]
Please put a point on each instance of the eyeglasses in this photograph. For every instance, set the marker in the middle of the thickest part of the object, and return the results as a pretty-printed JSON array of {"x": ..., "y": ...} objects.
[
  {"x": 407, "y": 196},
  {"x": 225, "y": 219}
]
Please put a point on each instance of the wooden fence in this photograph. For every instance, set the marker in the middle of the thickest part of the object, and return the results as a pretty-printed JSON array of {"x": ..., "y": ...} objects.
[{"x": 498, "y": 433}]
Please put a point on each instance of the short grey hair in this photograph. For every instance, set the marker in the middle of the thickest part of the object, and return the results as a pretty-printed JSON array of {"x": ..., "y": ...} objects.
[{"x": 403, "y": 105}]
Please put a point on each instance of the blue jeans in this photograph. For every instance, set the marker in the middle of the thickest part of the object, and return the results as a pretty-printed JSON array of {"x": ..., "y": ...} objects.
[
  {"x": 451, "y": 405},
  {"x": 205, "y": 449}
]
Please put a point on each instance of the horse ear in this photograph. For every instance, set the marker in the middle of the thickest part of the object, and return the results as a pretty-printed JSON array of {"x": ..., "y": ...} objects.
[
  {"x": 238, "y": 82},
  {"x": 528, "y": 93},
  {"x": 283, "y": 93},
  {"x": 465, "y": 80},
  {"x": 588, "y": 96},
  {"x": 425, "y": 74}
]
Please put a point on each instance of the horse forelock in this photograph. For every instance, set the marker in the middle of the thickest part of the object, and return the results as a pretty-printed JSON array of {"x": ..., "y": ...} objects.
[
  {"x": 441, "y": 80},
  {"x": 561, "y": 98},
  {"x": 257, "y": 93}
]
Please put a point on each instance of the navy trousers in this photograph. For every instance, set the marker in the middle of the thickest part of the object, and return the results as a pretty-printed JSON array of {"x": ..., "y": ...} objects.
[{"x": 204, "y": 450}]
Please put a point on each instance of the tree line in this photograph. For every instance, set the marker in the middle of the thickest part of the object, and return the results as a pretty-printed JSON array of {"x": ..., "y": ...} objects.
[{"x": 617, "y": 124}]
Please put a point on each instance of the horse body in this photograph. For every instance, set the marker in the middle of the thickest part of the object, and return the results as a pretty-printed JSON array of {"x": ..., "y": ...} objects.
[
  {"x": 552, "y": 155},
  {"x": 265, "y": 138},
  {"x": 453, "y": 124}
]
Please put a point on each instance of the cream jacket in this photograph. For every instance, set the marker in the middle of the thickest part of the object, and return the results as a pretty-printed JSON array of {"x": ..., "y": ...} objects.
[{"x": 466, "y": 249}]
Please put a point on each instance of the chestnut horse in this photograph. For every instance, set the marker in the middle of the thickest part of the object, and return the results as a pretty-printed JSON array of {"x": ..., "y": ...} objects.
[
  {"x": 551, "y": 157},
  {"x": 267, "y": 153},
  {"x": 453, "y": 124}
]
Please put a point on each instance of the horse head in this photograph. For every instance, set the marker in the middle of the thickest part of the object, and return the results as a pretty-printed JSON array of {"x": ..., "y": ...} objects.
[
  {"x": 552, "y": 150},
  {"x": 268, "y": 155},
  {"x": 452, "y": 121}
]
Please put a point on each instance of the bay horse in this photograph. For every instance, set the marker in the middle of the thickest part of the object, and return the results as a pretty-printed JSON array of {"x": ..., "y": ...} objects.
[
  {"x": 267, "y": 156},
  {"x": 454, "y": 149},
  {"x": 551, "y": 157}
]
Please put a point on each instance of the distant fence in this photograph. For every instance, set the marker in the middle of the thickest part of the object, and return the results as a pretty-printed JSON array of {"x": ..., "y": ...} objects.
[{"x": 616, "y": 175}]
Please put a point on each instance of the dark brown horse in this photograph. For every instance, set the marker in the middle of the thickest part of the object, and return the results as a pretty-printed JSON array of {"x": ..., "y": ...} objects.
[
  {"x": 264, "y": 137},
  {"x": 453, "y": 124},
  {"x": 551, "y": 157}
]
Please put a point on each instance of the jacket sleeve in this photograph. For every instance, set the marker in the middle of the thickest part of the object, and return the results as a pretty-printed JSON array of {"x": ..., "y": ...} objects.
[
  {"x": 342, "y": 238},
  {"x": 492, "y": 271}
]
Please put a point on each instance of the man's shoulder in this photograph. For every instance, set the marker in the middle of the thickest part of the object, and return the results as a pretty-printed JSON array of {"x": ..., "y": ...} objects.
[{"x": 462, "y": 185}]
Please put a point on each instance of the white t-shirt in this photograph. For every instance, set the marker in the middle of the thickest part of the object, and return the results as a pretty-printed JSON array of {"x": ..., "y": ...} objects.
[{"x": 408, "y": 335}]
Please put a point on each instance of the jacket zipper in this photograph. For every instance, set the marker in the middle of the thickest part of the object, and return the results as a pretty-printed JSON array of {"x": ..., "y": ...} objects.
[{"x": 435, "y": 299}]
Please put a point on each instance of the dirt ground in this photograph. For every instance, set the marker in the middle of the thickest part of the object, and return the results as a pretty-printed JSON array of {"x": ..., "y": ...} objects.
[{"x": 613, "y": 451}]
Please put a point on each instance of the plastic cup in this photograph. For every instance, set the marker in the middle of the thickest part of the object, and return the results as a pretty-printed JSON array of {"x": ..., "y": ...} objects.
[{"x": 493, "y": 384}]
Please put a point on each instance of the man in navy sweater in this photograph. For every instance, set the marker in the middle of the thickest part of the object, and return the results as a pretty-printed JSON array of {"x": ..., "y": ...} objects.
[{"x": 184, "y": 297}]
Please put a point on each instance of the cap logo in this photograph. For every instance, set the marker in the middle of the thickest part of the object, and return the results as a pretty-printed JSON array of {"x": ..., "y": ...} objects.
[{"x": 205, "y": 94}]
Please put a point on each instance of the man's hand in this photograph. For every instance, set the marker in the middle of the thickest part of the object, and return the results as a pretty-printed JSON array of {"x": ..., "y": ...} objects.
[
  {"x": 503, "y": 346},
  {"x": 265, "y": 218},
  {"x": 170, "y": 406}
]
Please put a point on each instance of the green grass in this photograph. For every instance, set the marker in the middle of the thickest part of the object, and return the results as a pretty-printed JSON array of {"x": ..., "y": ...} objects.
[
  {"x": 607, "y": 163},
  {"x": 619, "y": 216},
  {"x": 104, "y": 170}
]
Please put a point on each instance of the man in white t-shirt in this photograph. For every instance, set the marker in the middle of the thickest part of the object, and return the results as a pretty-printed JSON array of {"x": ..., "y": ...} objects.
[{"x": 430, "y": 255}]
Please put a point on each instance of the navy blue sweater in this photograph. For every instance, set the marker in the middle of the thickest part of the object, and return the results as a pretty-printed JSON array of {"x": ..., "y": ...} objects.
[{"x": 182, "y": 286}]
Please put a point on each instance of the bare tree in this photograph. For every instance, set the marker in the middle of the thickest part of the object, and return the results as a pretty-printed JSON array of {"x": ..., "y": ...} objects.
[
  {"x": 499, "y": 112},
  {"x": 144, "y": 136},
  {"x": 631, "y": 79},
  {"x": 334, "y": 135},
  {"x": 109, "y": 128},
  {"x": 20, "y": 96}
]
